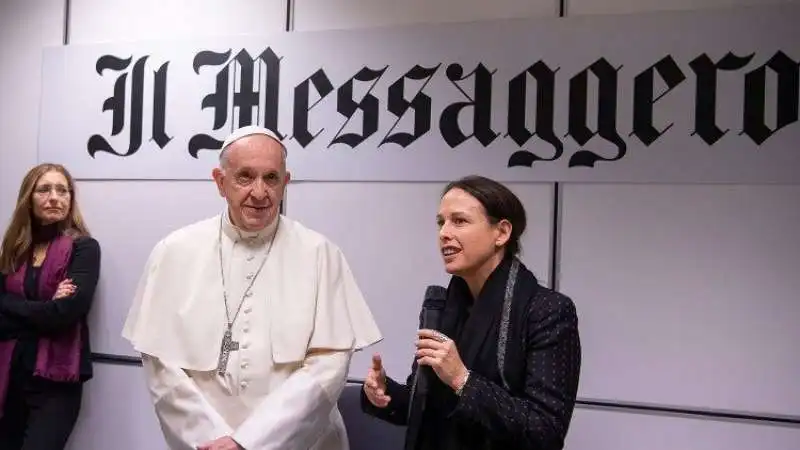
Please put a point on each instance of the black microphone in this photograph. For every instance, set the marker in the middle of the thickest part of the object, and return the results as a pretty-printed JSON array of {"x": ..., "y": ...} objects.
[
  {"x": 432, "y": 307},
  {"x": 430, "y": 317}
]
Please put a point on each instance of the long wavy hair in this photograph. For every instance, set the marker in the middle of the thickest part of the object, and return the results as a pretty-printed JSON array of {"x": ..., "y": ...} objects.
[{"x": 18, "y": 238}]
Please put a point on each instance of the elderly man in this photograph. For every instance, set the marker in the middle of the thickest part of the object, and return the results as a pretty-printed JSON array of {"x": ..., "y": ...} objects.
[{"x": 246, "y": 321}]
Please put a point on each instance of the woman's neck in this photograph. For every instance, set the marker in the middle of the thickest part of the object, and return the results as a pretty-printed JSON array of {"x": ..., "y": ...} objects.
[
  {"x": 44, "y": 233},
  {"x": 477, "y": 278}
]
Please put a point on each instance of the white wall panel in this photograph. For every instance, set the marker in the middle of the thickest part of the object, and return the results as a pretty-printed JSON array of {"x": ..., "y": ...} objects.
[
  {"x": 340, "y": 14},
  {"x": 388, "y": 233},
  {"x": 594, "y": 429},
  {"x": 25, "y": 26},
  {"x": 123, "y": 20},
  {"x": 687, "y": 295},
  {"x": 127, "y": 219},
  {"x": 581, "y": 7},
  {"x": 117, "y": 412}
]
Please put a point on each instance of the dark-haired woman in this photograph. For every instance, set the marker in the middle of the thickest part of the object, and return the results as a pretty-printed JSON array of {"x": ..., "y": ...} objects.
[{"x": 506, "y": 357}]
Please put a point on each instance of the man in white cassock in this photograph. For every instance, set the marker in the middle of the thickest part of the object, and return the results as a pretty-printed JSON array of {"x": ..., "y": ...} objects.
[{"x": 246, "y": 321}]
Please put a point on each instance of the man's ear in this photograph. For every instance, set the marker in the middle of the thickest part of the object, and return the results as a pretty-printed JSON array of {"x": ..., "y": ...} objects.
[
  {"x": 287, "y": 178},
  {"x": 218, "y": 175}
]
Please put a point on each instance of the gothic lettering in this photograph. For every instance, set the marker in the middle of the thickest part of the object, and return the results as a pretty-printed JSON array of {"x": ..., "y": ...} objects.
[
  {"x": 117, "y": 102},
  {"x": 253, "y": 82},
  {"x": 754, "y": 120},
  {"x": 160, "y": 107},
  {"x": 705, "y": 112},
  {"x": 302, "y": 106},
  {"x": 246, "y": 90},
  {"x": 480, "y": 102},
  {"x": 545, "y": 114},
  {"x": 606, "y": 76},
  {"x": 399, "y": 106},
  {"x": 643, "y": 100},
  {"x": 368, "y": 106}
]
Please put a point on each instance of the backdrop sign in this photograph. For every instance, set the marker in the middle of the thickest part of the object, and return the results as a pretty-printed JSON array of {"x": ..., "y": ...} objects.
[{"x": 673, "y": 97}]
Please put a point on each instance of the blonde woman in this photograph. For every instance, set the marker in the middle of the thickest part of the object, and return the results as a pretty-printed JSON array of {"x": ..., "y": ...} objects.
[{"x": 49, "y": 266}]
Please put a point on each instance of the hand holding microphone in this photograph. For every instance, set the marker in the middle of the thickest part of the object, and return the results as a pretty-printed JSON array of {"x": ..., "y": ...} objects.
[
  {"x": 436, "y": 350},
  {"x": 375, "y": 383}
]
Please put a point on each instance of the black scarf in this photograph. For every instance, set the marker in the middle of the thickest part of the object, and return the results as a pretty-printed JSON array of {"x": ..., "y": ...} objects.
[
  {"x": 474, "y": 323},
  {"x": 474, "y": 326}
]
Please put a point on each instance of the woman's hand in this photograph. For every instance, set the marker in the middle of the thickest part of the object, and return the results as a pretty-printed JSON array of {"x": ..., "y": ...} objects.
[
  {"x": 375, "y": 383},
  {"x": 440, "y": 353},
  {"x": 65, "y": 289}
]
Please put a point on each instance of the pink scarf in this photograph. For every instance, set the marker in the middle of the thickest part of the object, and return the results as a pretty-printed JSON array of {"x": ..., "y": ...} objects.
[{"x": 58, "y": 356}]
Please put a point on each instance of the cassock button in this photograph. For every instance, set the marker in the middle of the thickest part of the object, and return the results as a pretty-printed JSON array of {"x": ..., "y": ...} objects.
[
  {"x": 250, "y": 258},
  {"x": 248, "y": 294},
  {"x": 243, "y": 384},
  {"x": 244, "y": 365},
  {"x": 248, "y": 309},
  {"x": 250, "y": 276}
]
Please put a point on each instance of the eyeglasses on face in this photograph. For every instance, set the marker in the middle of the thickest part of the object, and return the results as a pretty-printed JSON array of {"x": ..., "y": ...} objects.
[{"x": 45, "y": 189}]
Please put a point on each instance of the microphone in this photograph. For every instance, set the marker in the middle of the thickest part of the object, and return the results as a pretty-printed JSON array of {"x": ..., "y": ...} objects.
[
  {"x": 430, "y": 318},
  {"x": 432, "y": 307}
]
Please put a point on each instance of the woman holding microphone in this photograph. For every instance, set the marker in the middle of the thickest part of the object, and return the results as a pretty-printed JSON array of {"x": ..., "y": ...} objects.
[{"x": 506, "y": 358}]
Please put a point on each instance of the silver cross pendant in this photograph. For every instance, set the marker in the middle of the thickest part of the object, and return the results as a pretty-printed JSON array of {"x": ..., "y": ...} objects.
[{"x": 228, "y": 345}]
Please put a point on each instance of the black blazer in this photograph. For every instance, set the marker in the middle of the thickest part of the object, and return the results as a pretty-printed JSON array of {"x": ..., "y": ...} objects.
[{"x": 529, "y": 406}]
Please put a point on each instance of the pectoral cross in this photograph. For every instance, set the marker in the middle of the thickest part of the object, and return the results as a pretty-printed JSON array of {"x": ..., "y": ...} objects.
[{"x": 228, "y": 346}]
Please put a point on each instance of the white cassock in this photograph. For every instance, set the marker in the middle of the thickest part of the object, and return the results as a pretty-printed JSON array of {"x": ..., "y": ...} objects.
[{"x": 297, "y": 328}]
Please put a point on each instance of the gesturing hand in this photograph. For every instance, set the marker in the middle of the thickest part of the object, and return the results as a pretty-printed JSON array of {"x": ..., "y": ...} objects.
[
  {"x": 64, "y": 289},
  {"x": 375, "y": 383},
  {"x": 440, "y": 353}
]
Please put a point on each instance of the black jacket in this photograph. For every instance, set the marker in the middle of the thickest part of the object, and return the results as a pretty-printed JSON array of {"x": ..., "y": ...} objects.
[
  {"x": 25, "y": 319},
  {"x": 525, "y": 404}
]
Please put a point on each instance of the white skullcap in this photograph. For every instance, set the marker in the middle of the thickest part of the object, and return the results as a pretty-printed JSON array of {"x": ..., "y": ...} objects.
[{"x": 250, "y": 130}]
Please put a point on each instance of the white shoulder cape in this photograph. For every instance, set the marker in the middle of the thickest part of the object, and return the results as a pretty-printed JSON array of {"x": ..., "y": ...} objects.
[{"x": 178, "y": 313}]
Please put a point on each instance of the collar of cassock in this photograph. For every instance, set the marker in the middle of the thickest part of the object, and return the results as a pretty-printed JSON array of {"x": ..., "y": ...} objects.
[{"x": 237, "y": 234}]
